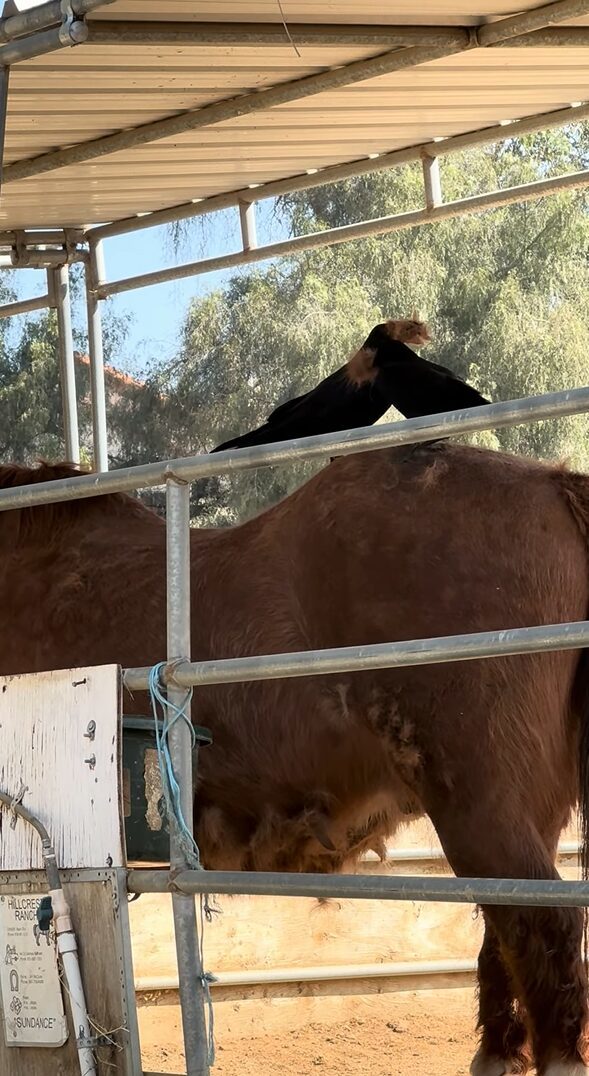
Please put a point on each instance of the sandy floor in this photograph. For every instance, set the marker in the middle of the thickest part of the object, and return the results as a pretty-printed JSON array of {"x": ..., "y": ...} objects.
[{"x": 427, "y": 1034}]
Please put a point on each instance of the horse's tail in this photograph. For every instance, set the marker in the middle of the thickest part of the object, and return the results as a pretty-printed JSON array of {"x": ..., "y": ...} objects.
[
  {"x": 582, "y": 708},
  {"x": 583, "y": 763},
  {"x": 575, "y": 488}
]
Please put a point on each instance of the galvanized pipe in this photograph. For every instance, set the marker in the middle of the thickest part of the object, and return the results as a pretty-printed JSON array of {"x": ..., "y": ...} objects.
[
  {"x": 431, "y": 181},
  {"x": 57, "y": 237},
  {"x": 137, "y": 32},
  {"x": 367, "y": 439},
  {"x": 326, "y": 973},
  {"x": 337, "y": 172},
  {"x": 332, "y": 661},
  {"x": 519, "y": 892},
  {"x": 94, "y": 272},
  {"x": 61, "y": 285},
  {"x": 232, "y": 108},
  {"x": 44, "y": 16},
  {"x": 190, "y": 970},
  {"x": 25, "y": 48},
  {"x": 349, "y": 232},
  {"x": 39, "y": 259},
  {"x": 563, "y": 37},
  {"x": 26, "y": 306},
  {"x": 535, "y": 19},
  {"x": 103, "y": 32},
  {"x": 247, "y": 220}
]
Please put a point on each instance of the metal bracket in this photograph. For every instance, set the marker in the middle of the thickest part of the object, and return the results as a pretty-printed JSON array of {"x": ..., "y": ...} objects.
[
  {"x": 16, "y": 799},
  {"x": 73, "y": 31}
]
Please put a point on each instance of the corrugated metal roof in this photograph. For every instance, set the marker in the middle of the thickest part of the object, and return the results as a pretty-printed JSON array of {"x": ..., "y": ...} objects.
[
  {"x": 81, "y": 94},
  {"x": 377, "y": 12}
]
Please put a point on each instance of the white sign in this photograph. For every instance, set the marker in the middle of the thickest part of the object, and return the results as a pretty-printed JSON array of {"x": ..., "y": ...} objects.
[{"x": 32, "y": 1002}]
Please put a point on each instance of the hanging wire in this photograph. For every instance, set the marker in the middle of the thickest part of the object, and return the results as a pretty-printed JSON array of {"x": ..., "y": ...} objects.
[{"x": 286, "y": 29}]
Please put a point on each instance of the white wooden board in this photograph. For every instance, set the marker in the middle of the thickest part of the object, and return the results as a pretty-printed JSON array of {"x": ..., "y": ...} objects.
[
  {"x": 32, "y": 1002},
  {"x": 44, "y": 719}
]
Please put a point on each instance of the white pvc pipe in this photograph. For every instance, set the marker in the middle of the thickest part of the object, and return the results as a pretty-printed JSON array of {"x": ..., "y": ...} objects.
[
  {"x": 317, "y": 974},
  {"x": 435, "y": 855},
  {"x": 67, "y": 948}
]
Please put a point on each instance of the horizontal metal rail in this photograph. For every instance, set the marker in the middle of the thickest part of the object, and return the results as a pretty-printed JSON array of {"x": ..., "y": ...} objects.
[
  {"x": 483, "y": 644},
  {"x": 506, "y": 891},
  {"x": 41, "y": 259},
  {"x": 26, "y": 306},
  {"x": 385, "y": 36},
  {"x": 140, "y": 32},
  {"x": 365, "y": 439},
  {"x": 326, "y": 973},
  {"x": 335, "y": 173},
  {"x": 350, "y": 232}
]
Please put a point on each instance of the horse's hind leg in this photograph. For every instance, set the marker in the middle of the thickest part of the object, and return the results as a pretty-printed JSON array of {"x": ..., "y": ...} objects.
[
  {"x": 541, "y": 947},
  {"x": 504, "y": 1035}
]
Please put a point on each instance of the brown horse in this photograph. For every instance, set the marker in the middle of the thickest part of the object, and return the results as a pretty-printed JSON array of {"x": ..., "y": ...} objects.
[{"x": 305, "y": 774}]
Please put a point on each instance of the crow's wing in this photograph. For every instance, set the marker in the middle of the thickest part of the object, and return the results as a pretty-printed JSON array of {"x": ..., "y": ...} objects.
[
  {"x": 319, "y": 397},
  {"x": 312, "y": 412},
  {"x": 424, "y": 388}
]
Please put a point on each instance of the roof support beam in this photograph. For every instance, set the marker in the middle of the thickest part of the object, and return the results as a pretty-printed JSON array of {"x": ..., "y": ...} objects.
[
  {"x": 250, "y": 103},
  {"x": 338, "y": 172},
  {"x": 349, "y": 232},
  {"x": 102, "y": 32},
  {"x": 494, "y": 33}
]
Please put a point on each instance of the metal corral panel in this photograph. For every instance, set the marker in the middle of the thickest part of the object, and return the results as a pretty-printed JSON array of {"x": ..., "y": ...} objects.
[{"x": 79, "y": 95}]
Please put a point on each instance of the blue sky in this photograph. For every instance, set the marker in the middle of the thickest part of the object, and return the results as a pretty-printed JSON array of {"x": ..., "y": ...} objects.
[{"x": 157, "y": 312}]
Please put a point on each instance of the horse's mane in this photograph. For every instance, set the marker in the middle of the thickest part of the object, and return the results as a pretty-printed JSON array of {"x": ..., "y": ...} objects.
[
  {"x": 49, "y": 516},
  {"x": 16, "y": 474}
]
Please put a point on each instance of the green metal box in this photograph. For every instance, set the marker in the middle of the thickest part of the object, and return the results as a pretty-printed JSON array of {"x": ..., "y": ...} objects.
[{"x": 146, "y": 828}]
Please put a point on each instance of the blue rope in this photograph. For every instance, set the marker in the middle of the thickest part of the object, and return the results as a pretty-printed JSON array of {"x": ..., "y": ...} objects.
[
  {"x": 170, "y": 715},
  {"x": 171, "y": 789}
]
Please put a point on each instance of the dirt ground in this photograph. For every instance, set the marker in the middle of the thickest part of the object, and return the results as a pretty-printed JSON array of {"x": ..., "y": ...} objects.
[{"x": 426, "y": 1033}]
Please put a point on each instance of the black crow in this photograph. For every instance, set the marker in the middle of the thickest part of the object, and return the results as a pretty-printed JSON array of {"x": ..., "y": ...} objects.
[{"x": 384, "y": 373}]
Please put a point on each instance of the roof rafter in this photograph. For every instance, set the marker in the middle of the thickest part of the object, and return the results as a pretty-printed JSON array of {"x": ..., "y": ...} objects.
[{"x": 113, "y": 32}]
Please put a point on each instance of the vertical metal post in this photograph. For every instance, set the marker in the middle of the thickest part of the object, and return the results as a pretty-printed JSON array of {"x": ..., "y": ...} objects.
[
  {"x": 94, "y": 275},
  {"x": 190, "y": 971},
  {"x": 431, "y": 181},
  {"x": 59, "y": 288},
  {"x": 247, "y": 219}
]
